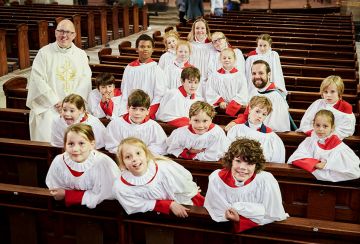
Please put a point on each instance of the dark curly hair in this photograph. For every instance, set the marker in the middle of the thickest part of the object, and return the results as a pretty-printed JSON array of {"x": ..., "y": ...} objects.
[{"x": 249, "y": 150}]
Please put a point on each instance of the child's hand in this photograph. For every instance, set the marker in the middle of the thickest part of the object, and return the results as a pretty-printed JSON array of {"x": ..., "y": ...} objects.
[
  {"x": 321, "y": 165},
  {"x": 58, "y": 107},
  {"x": 105, "y": 97},
  {"x": 179, "y": 210},
  {"x": 196, "y": 151},
  {"x": 223, "y": 105},
  {"x": 229, "y": 126},
  {"x": 58, "y": 194},
  {"x": 231, "y": 214}
]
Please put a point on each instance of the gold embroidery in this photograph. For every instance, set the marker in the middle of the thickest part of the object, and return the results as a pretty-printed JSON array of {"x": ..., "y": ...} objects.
[{"x": 66, "y": 73}]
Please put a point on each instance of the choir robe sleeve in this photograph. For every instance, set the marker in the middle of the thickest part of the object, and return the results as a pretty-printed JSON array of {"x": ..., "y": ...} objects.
[
  {"x": 94, "y": 104},
  {"x": 112, "y": 136},
  {"x": 57, "y": 132},
  {"x": 99, "y": 131},
  {"x": 306, "y": 123},
  {"x": 344, "y": 124},
  {"x": 158, "y": 144},
  {"x": 341, "y": 164},
  {"x": 175, "y": 145},
  {"x": 104, "y": 176},
  {"x": 240, "y": 62},
  {"x": 41, "y": 95},
  {"x": 160, "y": 86},
  {"x": 277, "y": 73},
  {"x": 305, "y": 150}
]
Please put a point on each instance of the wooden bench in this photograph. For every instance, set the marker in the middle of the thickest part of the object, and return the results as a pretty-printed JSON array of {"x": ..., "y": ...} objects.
[{"x": 50, "y": 221}]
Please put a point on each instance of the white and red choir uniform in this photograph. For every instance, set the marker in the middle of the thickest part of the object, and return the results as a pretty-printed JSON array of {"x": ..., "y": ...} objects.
[
  {"x": 174, "y": 107},
  {"x": 215, "y": 63},
  {"x": 162, "y": 183},
  {"x": 59, "y": 127},
  {"x": 56, "y": 72},
  {"x": 148, "y": 77},
  {"x": 227, "y": 86},
  {"x": 344, "y": 117},
  {"x": 273, "y": 59},
  {"x": 86, "y": 183},
  {"x": 278, "y": 120},
  {"x": 341, "y": 162},
  {"x": 257, "y": 200},
  {"x": 273, "y": 147},
  {"x": 110, "y": 110},
  {"x": 167, "y": 58},
  {"x": 214, "y": 141},
  {"x": 150, "y": 132},
  {"x": 173, "y": 73},
  {"x": 200, "y": 55}
]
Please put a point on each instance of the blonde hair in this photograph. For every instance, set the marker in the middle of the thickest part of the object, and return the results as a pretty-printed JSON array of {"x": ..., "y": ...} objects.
[
  {"x": 199, "y": 106},
  {"x": 333, "y": 79},
  {"x": 75, "y": 99},
  {"x": 228, "y": 49},
  {"x": 261, "y": 102},
  {"x": 327, "y": 114},
  {"x": 183, "y": 43},
  {"x": 191, "y": 35},
  {"x": 218, "y": 33},
  {"x": 170, "y": 33},
  {"x": 82, "y": 129},
  {"x": 137, "y": 143},
  {"x": 264, "y": 37}
]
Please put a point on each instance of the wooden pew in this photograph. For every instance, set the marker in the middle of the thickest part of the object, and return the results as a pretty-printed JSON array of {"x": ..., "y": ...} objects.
[
  {"x": 50, "y": 221},
  {"x": 3, "y": 56}
]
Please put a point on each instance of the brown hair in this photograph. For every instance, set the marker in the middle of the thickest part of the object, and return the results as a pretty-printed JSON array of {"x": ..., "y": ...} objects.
[
  {"x": 170, "y": 33},
  {"x": 260, "y": 61},
  {"x": 137, "y": 143},
  {"x": 139, "y": 98},
  {"x": 327, "y": 114},
  {"x": 190, "y": 73},
  {"x": 144, "y": 37},
  {"x": 191, "y": 35},
  {"x": 261, "y": 102},
  {"x": 333, "y": 79},
  {"x": 199, "y": 106},
  {"x": 75, "y": 99},
  {"x": 104, "y": 79},
  {"x": 83, "y": 129},
  {"x": 264, "y": 37},
  {"x": 249, "y": 150}
]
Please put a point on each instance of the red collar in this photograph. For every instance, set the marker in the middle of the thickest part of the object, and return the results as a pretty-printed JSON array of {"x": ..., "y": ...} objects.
[
  {"x": 343, "y": 106},
  {"x": 126, "y": 117},
  {"x": 192, "y": 130},
  {"x": 229, "y": 180},
  {"x": 223, "y": 71},
  {"x": 117, "y": 92},
  {"x": 183, "y": 92},
  {"x": 73, "y": 172},
  {"x": 138, "y": 63},
  {"x": 129, "y": 184},
  {"x": 330, "y": 143},
  {"x": 271, "y": 86},
  {"x": 252, "y": 53},
  {"x": 84, "y": 118},
  {"x": 186, "y": 65}
]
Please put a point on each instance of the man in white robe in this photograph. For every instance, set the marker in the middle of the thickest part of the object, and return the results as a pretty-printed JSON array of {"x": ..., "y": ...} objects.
[{"x": 59, "y": 69}]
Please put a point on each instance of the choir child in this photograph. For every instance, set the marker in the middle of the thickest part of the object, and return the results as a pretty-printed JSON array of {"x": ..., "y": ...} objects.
[
  {"x": 153, "y": 183},
  {"x": 331, "y": 89},
  {"x": 199, "y": 37},
  {"x": 173, "y": 70},
  {"x": 323, "y": 153},
  {"x": 73, "y": 112},
  {"x": 227, "y": 87},
  {"x": 136, "y": 123},
  {"x": 105, "y": 100},
  {"x": 242, "y": 192},
  {"x": 175, "y": 104},
  {"x": 279, "y": 119},
  {"x": 264, "y": 52},
  {"x": 81, "y": 175},
  {"x": 145, "y": 74},
  {"x": 171, "y": 39},
  {"x": 201, "y": 140},
  {"x": 273, "y": 147}
]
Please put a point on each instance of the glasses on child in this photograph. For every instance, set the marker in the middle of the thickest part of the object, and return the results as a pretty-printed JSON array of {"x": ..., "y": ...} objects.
[
  {"x": 217, "y": 40},
  {"x": 64, "y": 32}
]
